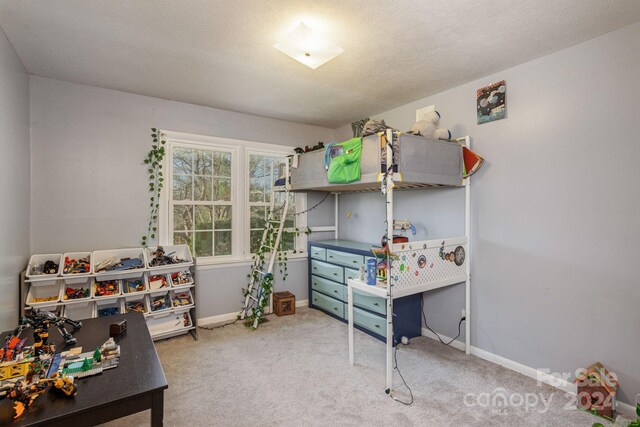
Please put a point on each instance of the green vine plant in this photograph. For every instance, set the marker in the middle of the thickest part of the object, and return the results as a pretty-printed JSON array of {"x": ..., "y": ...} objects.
[
  {"x": 156, "y": 182},
  {"x": 266, "y": 283}
]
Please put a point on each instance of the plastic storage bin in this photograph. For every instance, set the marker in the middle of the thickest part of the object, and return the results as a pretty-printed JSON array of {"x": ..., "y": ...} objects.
[
  {"x": 157, "y": 282},
  {"x": 99, "y": 257},
  {"x": 38, "y": 261},
  {"x": 132, "y": 286},
  {"x": 106, "y": 289},
  {"x": 77, "y": 292},
  {"x": 133, "y": 303},
  {"x": 168, "y": 324},
  {"x": 179, "y": 251},
  {"x": 44, "y": 295},
  {"x": 181, "y": 279},
  {"x": 108, "y": 307},
  {"x": 181, "y": 299},
  {"x": 159, "y": 302},
  {"x": 80, "y": 310},
  {"x": 75, "y": 276}
]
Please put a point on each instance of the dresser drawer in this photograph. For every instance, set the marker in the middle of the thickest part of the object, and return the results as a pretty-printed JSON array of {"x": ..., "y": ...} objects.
[
  {"x": 336, "y": 290},
  {"x": 370, "y": 321},
  {"x": 327, "y": 303},
  {"x": 350, "y": 273},
  {"x": 344, "y": 258},
  {"x": 370, "y": 302},
  {"x": 318, "y": 253},
  {"x": 329, "y": 271}
]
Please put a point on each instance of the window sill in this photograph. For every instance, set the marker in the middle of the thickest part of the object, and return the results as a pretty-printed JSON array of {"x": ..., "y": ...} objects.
[{"x": 213, "y": 264}]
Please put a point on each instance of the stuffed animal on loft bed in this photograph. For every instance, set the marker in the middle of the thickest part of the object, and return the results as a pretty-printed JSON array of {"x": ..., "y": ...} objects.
[{"x": 428, "y": 127}]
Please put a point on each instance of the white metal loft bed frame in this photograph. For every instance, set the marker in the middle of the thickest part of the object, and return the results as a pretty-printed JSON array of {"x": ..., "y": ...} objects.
[{"x": 441, "y": 263}]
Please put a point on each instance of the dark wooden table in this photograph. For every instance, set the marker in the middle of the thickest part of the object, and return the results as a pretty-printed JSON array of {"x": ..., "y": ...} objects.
[{"x": 137, "y": 384}]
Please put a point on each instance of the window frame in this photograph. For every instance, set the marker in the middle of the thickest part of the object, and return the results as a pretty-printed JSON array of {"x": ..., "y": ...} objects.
[{"x": 240, "y": 218}]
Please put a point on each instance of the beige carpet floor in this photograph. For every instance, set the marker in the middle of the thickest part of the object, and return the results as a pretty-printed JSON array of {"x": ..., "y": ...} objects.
[{"x": 294, "y": 371}]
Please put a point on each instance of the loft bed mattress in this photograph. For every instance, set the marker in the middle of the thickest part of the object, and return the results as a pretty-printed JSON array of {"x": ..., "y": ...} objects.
[{"x": 423, "y": 163}]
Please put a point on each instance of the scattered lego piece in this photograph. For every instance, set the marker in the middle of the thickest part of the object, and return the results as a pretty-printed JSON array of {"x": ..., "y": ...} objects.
[
  {"x": 106, "y": 288},
  {"x": 158, "y": 282},
  {"x": 138, "y": 306},
  {"x": 49, "y": 267},
  {"x": 133, "y": 285},
  {"x": 160, "y": 302},
  {"x": 160, "y": 258},
  {"x": 108, "y": 311},
  {"x": 117, "y": 264},
  {"x": 73, "y": 266},
  {"x": 71, "y": 293},
  {"x": 181, "y": 278},
  {"x": 182, "y": 299}
]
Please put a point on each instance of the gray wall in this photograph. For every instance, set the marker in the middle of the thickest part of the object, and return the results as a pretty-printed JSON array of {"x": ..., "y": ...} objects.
[
  {"x": 88, "y": 181},
  {"x": 555, "y": 210},
  {"x": 14, "y": 176}
]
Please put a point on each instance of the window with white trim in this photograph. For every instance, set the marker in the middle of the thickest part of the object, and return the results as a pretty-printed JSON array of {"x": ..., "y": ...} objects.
[
  {"x": 263, "y": 170},
  {"x": 218, "y": 195}
]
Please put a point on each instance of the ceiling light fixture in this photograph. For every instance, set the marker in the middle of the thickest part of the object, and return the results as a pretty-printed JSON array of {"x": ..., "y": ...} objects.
[{"x": 308, "y": 47}]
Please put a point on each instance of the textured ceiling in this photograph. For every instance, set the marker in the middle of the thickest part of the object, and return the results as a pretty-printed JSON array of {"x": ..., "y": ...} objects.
[{"x": 220, "y": 54}]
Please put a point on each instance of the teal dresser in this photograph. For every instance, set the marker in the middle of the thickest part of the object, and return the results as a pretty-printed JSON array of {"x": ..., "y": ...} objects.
[{"x": 331, "y": 264}]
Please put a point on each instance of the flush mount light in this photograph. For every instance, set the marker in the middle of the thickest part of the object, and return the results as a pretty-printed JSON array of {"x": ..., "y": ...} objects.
[{"x": 308, "y": 47}]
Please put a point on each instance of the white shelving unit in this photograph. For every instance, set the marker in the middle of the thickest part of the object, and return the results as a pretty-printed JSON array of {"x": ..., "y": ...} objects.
[{"x": 176, "y": 317}]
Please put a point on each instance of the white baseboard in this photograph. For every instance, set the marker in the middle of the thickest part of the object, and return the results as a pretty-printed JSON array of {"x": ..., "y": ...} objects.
[
  {"x": 624, "y": 409},
  {"x": 204, "y": 321}
]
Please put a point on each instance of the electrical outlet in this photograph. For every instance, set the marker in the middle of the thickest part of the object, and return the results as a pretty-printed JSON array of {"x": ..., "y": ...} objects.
[
  {"x": 463, "y": 313},
  {"x": 422, "y": 112}
]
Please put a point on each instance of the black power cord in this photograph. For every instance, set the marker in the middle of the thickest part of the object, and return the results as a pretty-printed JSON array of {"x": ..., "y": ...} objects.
[
  {"x": 424, "y": 316},
  {"x": 395, "y": 360}
]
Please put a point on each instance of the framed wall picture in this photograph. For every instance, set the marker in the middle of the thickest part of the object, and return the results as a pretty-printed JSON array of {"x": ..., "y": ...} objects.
[{"x": 491, "y": 102}]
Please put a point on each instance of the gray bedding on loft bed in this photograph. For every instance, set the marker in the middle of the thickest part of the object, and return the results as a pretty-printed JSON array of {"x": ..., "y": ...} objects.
[{"x": 424, "y": 163}]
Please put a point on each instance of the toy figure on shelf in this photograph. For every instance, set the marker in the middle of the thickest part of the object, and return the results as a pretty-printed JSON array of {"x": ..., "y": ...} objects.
[{"x": 40, "y": 322}]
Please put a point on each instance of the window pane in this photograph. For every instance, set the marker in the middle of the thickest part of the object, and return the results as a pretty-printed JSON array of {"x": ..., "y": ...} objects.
[
  {"x": 258, "y": 217},
  {"x": 204, "y": 217},
  {"x": 203, "y": 242},
  {"x": 222, "y": 164},
  {"x": 256, "y": 166},
  {"x": 183, "y": 239},
  {"x": 182, "y": 161},
  {"x": 202, "y": 188},
  {"x": 256, "y": 190},
  {"x": 181, "y": 187},
  {"x": 203, "y": 162},
  {"x": 288, "y": 241},
  {"x": 182, "y": 217},
  {"x": 223, "y": 217},
  {"x": 223, "y": 242},
  {"x": 255, "y": 238},
  {"x": 222, "y": 189}
]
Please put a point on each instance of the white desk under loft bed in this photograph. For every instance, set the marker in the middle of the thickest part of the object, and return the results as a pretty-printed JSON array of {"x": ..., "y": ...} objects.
[{"x": 421, "y": 265}]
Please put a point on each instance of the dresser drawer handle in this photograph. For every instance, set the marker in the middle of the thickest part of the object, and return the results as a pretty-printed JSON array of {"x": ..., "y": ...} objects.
[
  {"x": 354, "y": 261},
  {"x": 335, "y": 274},
  {"x": 335, "y": 291},
  {"x": 375, "y": 303},
  {"x": 335, "y": 308},
  {"x": 315, "y": 268},
  {"x": 377, "y": 326}
]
